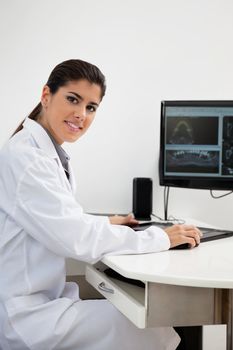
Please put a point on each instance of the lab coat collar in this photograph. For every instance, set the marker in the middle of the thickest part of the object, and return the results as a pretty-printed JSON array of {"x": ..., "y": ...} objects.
[
  {"x": 41, "y": 137},
  {"x": 44, "y": 142}
]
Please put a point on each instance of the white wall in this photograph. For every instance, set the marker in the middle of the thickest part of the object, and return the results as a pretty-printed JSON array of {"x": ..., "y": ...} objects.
[{"x": 149, "y": 50}]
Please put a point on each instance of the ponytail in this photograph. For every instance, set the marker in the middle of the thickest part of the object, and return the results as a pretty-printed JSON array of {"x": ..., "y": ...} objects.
[{"x": 33, "y": 115}]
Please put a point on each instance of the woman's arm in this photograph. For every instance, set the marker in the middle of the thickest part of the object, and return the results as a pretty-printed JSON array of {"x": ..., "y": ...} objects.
[{"x": 123, "y": 220}]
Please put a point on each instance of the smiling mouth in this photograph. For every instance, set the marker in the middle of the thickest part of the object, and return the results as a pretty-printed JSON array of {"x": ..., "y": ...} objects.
[{"x": 72, "y": 126}]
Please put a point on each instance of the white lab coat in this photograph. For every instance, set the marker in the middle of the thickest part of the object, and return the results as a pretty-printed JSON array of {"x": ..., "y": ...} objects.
[{"x": 41, "y": 224}]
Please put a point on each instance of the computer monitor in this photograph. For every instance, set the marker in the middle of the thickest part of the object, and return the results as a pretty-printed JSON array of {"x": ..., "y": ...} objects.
[{"x": 196, "y": 144}]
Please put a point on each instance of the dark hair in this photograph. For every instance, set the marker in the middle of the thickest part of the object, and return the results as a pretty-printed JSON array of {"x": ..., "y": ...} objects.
[{"x": 63, "y": 73}]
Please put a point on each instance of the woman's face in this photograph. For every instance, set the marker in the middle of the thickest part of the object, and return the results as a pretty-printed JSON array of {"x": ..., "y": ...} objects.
[{"x": 69, "y": 112}]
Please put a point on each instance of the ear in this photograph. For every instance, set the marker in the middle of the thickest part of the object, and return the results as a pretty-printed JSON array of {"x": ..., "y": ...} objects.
[{"x": 45, "y": 96}]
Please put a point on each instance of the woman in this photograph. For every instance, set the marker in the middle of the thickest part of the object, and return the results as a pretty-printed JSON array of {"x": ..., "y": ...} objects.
[{"x": 41, "y": 224}]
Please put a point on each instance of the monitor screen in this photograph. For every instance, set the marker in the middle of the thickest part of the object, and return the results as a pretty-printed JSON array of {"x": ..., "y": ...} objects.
[{"x": 196, "y": 144}]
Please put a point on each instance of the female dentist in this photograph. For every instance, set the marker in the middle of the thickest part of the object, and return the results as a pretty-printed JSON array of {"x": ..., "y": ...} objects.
[{"x": 41, "y": 224}]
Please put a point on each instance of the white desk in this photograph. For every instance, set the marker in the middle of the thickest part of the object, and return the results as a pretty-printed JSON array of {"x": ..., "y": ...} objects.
[{"x": 182, "y": 287}]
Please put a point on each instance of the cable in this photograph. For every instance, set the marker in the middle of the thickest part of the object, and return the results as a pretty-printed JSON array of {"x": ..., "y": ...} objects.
[
  {"x": 223, "y": 195},
  {"x": 165, "y": 202},
  {"x": 157, "y": 217},
  {"x": 166, "y": 199},
  {"x": 171, "y": 219},
  {"x": 175, "y": 220}
]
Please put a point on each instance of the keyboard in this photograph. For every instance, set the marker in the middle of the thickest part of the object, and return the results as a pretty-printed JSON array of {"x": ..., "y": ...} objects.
[{"x": 209, "y": 234}]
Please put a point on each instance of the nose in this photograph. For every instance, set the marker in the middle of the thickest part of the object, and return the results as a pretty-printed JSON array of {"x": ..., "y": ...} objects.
[{"x": 80, "y": 113}]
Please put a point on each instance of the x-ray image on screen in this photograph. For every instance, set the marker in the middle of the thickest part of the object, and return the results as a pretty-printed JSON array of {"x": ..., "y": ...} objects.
[
  {"x": 228, "y": 128},
  {"x": 227, "y": 149},
  {"x": 196, "y": 144},
  {"x": 192, "y": 130},
  {"x": 186, "y": 161}
]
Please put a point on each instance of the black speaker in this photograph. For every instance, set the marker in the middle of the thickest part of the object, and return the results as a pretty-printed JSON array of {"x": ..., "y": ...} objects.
[{"x": 142, "y": 198}]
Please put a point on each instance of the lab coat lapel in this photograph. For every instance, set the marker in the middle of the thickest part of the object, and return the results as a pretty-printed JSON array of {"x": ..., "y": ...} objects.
[
  {"x": 72, "y": 178},
  {"x": 44, "y": 142},
  {"x": 41, "y": 137}
]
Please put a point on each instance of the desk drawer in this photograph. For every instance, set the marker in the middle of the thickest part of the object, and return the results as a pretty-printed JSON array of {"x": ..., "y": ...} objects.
[
  {"x": 170, "y": 305},
  {"x": 128, "y": 299},
  {"x": 157, "y": 304}
]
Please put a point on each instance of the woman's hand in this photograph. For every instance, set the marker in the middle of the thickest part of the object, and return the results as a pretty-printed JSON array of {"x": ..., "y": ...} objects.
[
  {"x": 179, "y": 234},
  {"x": 123, "y": 220}
]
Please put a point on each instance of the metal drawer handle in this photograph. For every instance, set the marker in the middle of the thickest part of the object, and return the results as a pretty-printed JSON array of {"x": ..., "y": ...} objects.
[{"x": 102, "y": 287}]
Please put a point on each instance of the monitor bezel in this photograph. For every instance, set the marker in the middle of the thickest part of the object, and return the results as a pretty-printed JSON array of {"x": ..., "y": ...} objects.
[{"x": 207, "y": 183}]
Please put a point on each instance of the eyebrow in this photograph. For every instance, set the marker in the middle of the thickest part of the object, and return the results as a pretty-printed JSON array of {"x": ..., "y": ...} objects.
[{"x": 81, "y": 98}]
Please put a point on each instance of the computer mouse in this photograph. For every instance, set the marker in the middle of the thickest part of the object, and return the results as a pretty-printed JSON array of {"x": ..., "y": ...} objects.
[{"x": 184, "y": 246}]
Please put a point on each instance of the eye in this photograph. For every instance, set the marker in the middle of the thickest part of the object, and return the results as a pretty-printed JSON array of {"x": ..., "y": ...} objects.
[
  {"x": 72, "y": 99},
  {"x": 91, "y": 108}
]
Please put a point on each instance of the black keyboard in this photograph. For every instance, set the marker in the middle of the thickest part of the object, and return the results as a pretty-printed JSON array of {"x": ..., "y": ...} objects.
[{"x": 209, "y": 234}]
